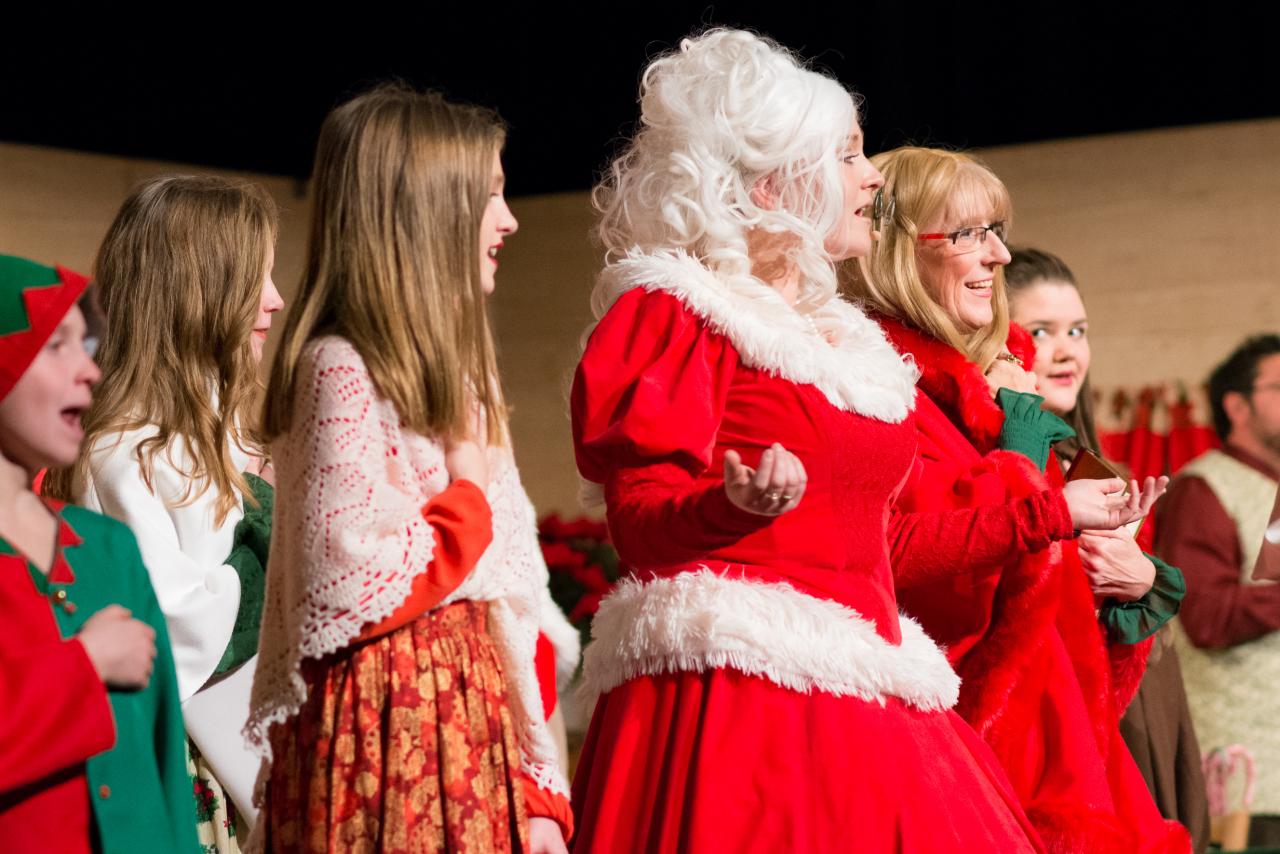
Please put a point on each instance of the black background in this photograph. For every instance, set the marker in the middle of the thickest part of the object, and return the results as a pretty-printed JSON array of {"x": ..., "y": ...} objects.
[{"x": 232, "y": 89}]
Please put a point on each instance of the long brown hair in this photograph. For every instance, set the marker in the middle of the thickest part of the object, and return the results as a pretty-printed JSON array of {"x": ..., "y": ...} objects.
[
  {"x": 401, "y": 182},
  {"x": 1030, "y": 267},
  {"x": 179, "y": 277},
  {"x": 929, "y": 185}
]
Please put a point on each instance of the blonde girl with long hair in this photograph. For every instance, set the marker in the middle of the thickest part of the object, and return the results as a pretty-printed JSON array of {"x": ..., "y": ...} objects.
[
  {"x": 184, "y": 279},
  {"x": 395, "y": 696}
]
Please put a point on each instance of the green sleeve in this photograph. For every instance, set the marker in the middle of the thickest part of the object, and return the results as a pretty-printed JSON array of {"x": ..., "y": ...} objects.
[
  {"x": 170, "y": 732},
  {"x": 1131, "y": 622},
  {"x": 251, "y": 544},
  {"x": 1029, "y": 429}
]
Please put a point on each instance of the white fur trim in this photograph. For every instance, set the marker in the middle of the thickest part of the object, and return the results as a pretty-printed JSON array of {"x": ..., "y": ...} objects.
[
  {"x": 842, "y": 352},
  {"x": 698, "y": 621},
  {"x": 563, "y": 636}
]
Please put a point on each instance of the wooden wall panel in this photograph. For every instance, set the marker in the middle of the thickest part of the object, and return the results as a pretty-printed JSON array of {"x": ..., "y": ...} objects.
[{"x": 1172, "y": 233}]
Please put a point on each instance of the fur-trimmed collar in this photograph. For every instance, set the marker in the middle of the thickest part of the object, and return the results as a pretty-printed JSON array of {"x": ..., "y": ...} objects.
[
  {"x": 834, "y": 347},
  {"x": 951, "y": 381}
]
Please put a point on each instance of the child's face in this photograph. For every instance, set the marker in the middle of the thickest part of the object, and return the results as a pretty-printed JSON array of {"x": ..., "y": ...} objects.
[
  {"x": 497, "y": 223},
  {"x": 269, "y": 302},
  {"x": 40, "y": 418}
]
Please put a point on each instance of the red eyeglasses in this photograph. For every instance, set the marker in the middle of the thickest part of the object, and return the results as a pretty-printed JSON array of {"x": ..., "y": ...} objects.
[{"x": 971, "y": 237}]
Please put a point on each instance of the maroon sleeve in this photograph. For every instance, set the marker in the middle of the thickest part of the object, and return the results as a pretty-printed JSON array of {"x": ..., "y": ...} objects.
[
  {"x": 648, "y": 398},
  {"x": 1195, "y": 534},
  {"x": 928, "y": 545}
]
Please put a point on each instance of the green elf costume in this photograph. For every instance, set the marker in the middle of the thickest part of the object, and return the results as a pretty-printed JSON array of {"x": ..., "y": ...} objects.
[{"x": 63, "y": 786}]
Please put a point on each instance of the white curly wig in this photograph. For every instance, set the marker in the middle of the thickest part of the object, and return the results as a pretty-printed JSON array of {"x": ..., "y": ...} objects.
[{"x": 725, "y": 110}]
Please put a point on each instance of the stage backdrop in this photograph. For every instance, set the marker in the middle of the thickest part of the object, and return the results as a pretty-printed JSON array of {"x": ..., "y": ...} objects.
[{"x": 1172, "y": 233}]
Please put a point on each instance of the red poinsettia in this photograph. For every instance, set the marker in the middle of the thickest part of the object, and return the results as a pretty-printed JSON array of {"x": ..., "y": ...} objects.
[
  {"x": 582, "y": 563},
  {"x": 552, "y": 527}
]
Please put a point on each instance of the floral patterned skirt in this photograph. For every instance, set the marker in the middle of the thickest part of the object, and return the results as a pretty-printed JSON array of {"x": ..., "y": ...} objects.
[
  {"x": 405, "y": 743},
  {"x": 215, "y": 814}
]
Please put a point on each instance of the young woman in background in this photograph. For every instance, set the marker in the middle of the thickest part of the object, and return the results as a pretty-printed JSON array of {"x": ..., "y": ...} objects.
[{"x": 184, "y": 279}]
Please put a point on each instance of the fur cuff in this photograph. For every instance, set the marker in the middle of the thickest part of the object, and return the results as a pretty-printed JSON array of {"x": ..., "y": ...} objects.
[{"x": 700, "y": 621}]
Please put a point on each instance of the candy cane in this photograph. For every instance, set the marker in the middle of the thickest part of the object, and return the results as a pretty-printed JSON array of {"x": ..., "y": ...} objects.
[{"x": 1219, "y": 767}]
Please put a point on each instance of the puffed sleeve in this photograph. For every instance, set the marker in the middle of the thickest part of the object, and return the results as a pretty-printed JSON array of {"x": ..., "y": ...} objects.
[
  {"x": 647, "y": 402},
  {"x": 199, "y": 593}
]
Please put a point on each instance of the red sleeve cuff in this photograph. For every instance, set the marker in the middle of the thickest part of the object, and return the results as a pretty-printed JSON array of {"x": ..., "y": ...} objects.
[
  {"x": 1057, "y": 516},
  {"x": 723, "y": 516},
  {"x": 462, "y": 524},
  {"x": 544, "y": 804}
]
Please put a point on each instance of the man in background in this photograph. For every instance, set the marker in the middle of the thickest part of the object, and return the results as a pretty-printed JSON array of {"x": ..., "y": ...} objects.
[{"x": 1211, "y": 524}]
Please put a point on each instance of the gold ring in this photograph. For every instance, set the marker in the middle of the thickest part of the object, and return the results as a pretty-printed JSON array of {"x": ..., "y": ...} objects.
[{"x": 1009, "y": 357}]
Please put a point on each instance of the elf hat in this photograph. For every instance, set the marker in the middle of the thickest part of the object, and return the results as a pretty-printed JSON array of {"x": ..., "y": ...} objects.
[{"x": 33, "y": 301}]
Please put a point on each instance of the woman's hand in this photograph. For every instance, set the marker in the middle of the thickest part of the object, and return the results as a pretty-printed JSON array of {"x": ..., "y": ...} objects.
[
  {"x": 771, "y": 490},
  {"x": 1103, "y": 505},
  {"x": 1116, "y": 567},
  {"x": 122, "y": 649},
  {"x": 1004, "y": 373},
  {"x": 468, "y": 456},
  {"x": 545, "y": 836}
]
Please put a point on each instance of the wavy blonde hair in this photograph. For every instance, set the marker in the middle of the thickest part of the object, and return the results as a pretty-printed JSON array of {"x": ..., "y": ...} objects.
[
  {"x": 725, "y": 110},
  {"x": 934, "y": 190},
  {"x": 179, "y": 277},
  {"x": 401, "y": 182}
]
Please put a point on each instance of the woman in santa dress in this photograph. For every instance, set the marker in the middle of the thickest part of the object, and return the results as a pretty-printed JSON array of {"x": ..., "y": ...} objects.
[
  {"x": 1041, "y": 684},
  {"x": 759, "y": 691}
]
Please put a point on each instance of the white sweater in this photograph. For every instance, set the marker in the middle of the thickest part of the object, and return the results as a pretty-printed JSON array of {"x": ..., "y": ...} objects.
[{"x": 181, "y": 545}]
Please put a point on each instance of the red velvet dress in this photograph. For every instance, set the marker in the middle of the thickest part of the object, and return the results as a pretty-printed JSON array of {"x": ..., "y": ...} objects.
[
  {"x": 760, "y": 692},
  {"x": 1041, "y": 685}
]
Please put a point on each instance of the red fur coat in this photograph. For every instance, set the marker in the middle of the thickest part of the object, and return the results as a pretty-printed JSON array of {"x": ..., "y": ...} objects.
[{"x": 1039, "y": 682}]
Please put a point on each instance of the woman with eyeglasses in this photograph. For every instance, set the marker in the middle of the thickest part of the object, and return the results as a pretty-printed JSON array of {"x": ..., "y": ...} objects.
[{"x": 1040, "y": 683}]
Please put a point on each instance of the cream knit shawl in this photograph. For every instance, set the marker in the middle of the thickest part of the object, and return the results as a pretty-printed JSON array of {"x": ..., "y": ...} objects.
[{"x": 349, "y": 537}]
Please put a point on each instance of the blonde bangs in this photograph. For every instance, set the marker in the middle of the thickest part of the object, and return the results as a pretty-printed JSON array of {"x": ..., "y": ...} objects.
[{"x": 977, "y": 197}]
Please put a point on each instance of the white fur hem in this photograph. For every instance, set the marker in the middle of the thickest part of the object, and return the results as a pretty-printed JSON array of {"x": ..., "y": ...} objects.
[
  {"x": 834, "y": 347},
  {"x": 698, "y": 621}
]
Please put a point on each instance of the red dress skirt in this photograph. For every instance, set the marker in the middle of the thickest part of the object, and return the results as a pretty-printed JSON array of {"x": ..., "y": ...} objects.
[{"x": 720, "y": 761}]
